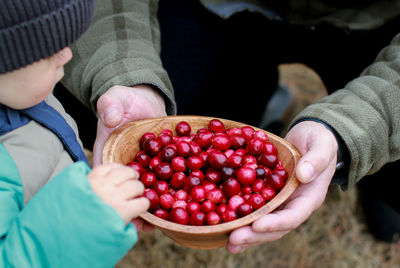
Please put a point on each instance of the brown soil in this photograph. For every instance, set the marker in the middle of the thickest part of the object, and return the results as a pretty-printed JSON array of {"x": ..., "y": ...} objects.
[{"x": 334, "y": 236}]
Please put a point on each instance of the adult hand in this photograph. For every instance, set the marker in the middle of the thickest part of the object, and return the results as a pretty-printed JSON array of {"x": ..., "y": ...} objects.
[
  {"x": 120, "y": 105},
  {"x": 314, "y": 170}
]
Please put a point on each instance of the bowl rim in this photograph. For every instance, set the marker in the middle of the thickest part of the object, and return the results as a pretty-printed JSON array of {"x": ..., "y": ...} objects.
[{"x": 290, "y": 185}]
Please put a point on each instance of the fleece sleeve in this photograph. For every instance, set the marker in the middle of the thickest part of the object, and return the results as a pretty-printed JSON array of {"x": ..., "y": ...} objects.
[
  {"x": 366, "y": 114},
  {"x": 64, "y": 225},
  {"x": 121, "y": 47}
]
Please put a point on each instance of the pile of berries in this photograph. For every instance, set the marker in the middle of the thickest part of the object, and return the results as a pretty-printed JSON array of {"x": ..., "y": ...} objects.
[{"x": 216, "y": 175}]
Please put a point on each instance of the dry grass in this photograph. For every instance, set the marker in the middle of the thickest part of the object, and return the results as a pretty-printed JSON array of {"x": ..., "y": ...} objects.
[{"x": 334, "y": 236}]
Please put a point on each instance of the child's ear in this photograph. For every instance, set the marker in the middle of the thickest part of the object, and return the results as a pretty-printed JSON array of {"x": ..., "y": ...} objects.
[{"x": 63, "y": 56}]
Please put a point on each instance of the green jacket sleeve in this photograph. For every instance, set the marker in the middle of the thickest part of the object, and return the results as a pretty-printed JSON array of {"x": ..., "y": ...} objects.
[
  {"x": 64, "y": 225},
  {"x": 366, "y": 114},
  {"x": 121, "y": 47}
]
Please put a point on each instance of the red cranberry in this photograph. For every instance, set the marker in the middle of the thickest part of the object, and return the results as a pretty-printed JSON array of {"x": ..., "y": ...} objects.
[
  {"x": 152, "y": 146},
  {"x": 194, "y": 162},
  {"x": 165, "y": 139},
  {"x": 258, "y": 134},
  {"x": 241, "y": 152},
  {"x": 164, "y": 171},
  {"x": 167, "y": 200},
  {"x": 258, "y": 185},
  {"x": 190, "y": 182},
  {"x": 276, "y": 181},
  {"x": 229, "y": 152},
  {"x": 257, "y": 201},
  {"x": 181, "y": 195},
  {"x": 195, "y": 148},
  {"x": 246, "y": 176},
  {"x": 260, "y": 172},
  {"x": 235, "y": 201},
  {"x": 212, "y": 218},
  {"x": 179, "y": 204},
  {"x": 204, "y": 139},
  {"x": 208, "y": 186},
  {"x": 235, "y": 161},
  {"x": 167, "y": 132},
  {"x": 168, "y": 153},
  {"x": 161, "y": 187},
  {"x": 179, "y": 215},
  {"x": 247, "y": 189},
  {"x": 269, "y": 160},
  {"x": 231, "y": 187},
  {"x": 183, "y": 149},
  {"x": 136, "y": 166},
  {"x": 213, "y": 176},
  {"x": 197, "y": 173},
  {"x": 249, "y": 159},
  {"x": 229, "y": 215},
  {"x": 144, "y": 137},
  {"x": 222, "y": 208},
  {"x": 269, "y": 148},
  {"x": 183, "y": 128},
  {"x": 154, "y": 162},
  {"x": 153, "y": 198},
  {"x": 248, "y": 132},
  {"x": 178, "y": 164},
  {"x": 161, "y": 213},
  {"x": 216, "y": 196},
  {"x": 193, "y": 207},
  {"x": 221, "y": 142},
  {"x": 282, "y": 172},
  {"x": 238, "y": 141},
  {"x": 207, "y": 206},
  {"x": 244, "y": 209},
  {"x": 204, "y": 156},
  {"x": 177, "y": 180},
  {"x": 268, "y": 193},
  {"x": 143, "y": 158},
  {"x": 233, "y": 131},
  {"x": 197, "y": 193},
  {"x": 148, "y": 179},
  {"x": 217, "y": 159},
  {"x": 216, "y": 126},
  {"x": 198, "y": 218},
  {"x": 255, "y": 147},
  {"x": 227, "y": 172}
]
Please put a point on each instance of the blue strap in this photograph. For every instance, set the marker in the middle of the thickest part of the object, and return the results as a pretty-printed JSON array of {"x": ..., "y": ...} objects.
[{"x": 48, "y": 117}]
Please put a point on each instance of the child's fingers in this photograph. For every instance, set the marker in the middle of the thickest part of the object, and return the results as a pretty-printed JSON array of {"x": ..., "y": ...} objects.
[
  {"x": 102, "y": 170},
  {"x": 138, "y": 206},
  {"x": 121, "y": 174},
  {"x": 130, "y": 189}
]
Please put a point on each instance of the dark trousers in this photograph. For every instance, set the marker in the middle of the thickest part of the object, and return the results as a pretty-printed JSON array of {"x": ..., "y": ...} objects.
[{"x": 228, "y": 68}]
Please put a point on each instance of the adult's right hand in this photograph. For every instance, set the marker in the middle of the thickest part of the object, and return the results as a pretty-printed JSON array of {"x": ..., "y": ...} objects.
[
  {"x": 120, "y": 105},
  {"x": 314, "y": 170}
]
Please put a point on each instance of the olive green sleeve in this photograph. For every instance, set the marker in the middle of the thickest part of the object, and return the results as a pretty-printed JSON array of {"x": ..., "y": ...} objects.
[
  {"x": 366, "y": 114},
  {"x": 121, "y": 47}
]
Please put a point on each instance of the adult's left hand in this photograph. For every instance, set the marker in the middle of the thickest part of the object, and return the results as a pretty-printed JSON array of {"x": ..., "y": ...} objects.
[{"x": 120, "y": 105}]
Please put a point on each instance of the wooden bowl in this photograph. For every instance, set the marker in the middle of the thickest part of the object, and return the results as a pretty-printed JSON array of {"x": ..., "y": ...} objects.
[{"x": 123, "y": 144}]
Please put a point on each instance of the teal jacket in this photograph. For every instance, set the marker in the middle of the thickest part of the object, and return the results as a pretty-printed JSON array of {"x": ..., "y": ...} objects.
[
  {"x": 49, "y": 215},
  {"x": 64, "y": 225}
]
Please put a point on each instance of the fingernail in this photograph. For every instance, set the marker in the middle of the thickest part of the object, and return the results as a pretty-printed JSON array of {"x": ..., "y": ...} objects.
[
  {"x": 109, "y": 114},
  {"x": 307, "y": 172}
]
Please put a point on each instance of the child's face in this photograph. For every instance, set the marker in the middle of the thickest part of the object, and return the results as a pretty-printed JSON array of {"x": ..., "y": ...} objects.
[{"x": 28, "y": 86}]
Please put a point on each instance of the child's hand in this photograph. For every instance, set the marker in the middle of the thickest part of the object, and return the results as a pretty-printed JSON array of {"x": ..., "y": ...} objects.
[{"x": 118, "y": 186}]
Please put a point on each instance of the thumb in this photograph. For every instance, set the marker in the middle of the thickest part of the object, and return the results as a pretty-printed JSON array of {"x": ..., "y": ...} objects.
[
  {"x": 322, "y": 151},
  {"x": 110, "y": 110}
]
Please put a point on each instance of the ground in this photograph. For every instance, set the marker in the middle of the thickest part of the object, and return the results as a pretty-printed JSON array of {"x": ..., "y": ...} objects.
[{"x": 334, "y": 236}]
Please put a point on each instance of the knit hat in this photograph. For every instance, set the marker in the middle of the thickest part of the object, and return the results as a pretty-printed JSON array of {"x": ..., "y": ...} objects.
[{"x": 31, "y": 30}]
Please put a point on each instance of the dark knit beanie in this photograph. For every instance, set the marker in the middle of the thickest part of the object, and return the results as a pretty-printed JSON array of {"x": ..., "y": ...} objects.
[{"x": 31, "y": 30}]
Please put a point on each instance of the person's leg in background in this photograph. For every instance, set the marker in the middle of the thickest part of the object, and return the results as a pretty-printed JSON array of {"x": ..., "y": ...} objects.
[{"x": 219, "y": 68}]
